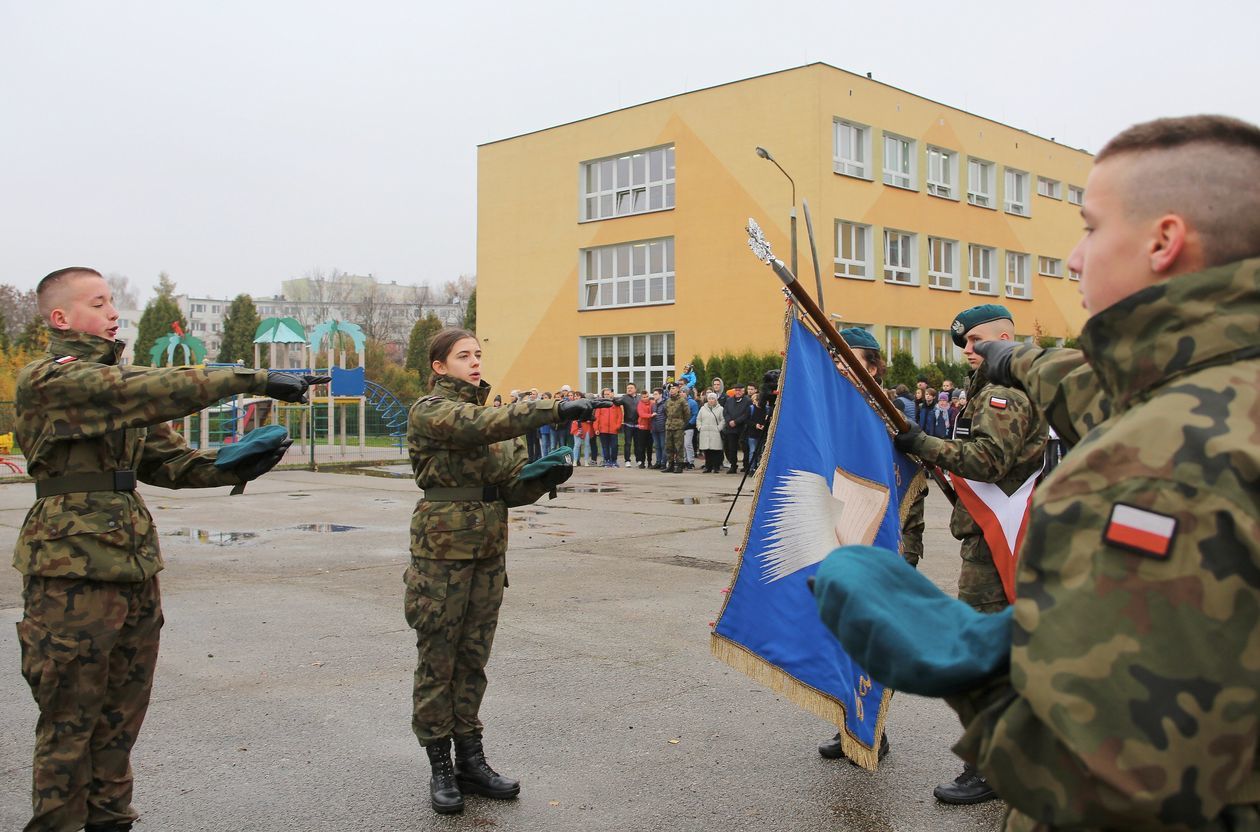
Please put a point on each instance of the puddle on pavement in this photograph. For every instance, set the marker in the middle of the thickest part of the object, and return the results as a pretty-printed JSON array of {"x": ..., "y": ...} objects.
[
  {"x": 211, "y": 537},
  {"x": 695, "y": 563},
  {"x": 392, "y": 472},
  {"x": 299, "y": 495},
  {"x": 699, "y": 501},
  {"x": 324, "y": 527},
  {"x": 598, "y": 488}
]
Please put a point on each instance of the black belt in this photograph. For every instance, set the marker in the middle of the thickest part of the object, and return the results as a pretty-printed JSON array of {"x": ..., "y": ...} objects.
[
  {"x": 476, "y": 493},
  {"x": 124, "y": 480}
]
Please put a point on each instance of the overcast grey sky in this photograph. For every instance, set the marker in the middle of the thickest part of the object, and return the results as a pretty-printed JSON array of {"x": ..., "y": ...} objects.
[{"x": 237, "y": 144}]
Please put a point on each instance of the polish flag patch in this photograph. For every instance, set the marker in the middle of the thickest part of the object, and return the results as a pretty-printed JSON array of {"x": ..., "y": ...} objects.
[
  {"x": 66, "y": 359},
  {"x": 1138, "y": 530},
  {"x": 998, "y": 402}
]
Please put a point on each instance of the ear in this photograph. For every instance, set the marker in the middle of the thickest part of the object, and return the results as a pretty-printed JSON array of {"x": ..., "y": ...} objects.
[
  {"x": 439, "y": 367},
  {"x": 1167, "y": 244},
  {"x": 57, "y": 318}
]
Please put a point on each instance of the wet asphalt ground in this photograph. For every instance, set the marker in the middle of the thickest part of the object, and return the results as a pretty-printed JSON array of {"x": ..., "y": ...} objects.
[{"x": 282, "y": 693}]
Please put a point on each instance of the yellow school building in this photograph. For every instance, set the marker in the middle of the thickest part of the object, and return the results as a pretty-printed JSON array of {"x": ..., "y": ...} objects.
[{"x": 612, "y": 249}]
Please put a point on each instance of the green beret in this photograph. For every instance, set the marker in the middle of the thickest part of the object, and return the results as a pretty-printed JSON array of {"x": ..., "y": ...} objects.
[
  {"x": 859, "y": 338},
  {"x": 973, "y": 317},
  {"x": 256, "y": 443},
  {"x": 560, "y": 457}
]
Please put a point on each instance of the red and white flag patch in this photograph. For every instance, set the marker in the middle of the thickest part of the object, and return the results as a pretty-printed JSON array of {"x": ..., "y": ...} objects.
[
  {"x": 998, "y": 402},
  {"x": 1139, "y": 530},
  {"x": 66, "y": 359}
]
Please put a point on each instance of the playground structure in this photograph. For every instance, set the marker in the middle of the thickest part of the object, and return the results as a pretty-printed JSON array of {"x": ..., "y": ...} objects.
[{"x": 327, "y": 419}]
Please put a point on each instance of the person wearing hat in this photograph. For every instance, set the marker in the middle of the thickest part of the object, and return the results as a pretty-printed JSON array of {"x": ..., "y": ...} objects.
[
  {"x": 470, "y": 460},
  {"x": 1000, "y": 438},
  {"x": 88, "y": 549}
]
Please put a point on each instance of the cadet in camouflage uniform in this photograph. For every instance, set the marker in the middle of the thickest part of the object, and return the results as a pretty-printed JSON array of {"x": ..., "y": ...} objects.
[
  {"x": 467, "y": 458},
  {"x": 677, "y": 415},
  {"x": 1133, "y": 697},
  {"x": 88, "y": 550},
  {"x": 999, "y": 437}
]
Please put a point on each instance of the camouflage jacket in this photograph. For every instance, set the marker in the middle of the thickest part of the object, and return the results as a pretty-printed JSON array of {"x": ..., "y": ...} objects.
[
  {"x": 677, "y": 414},
  {"x": 80, "y": 413},
  {"x": 999, "y": 437},
  {"x": 455, "y": 441},
  {"x": 1133, "y": 699}
]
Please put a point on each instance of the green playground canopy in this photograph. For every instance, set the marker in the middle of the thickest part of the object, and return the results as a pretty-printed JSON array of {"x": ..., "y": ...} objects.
[{"x": 280, "y": 331}]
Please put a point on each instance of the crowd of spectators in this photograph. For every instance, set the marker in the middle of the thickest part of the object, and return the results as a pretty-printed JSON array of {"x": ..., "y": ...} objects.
[
  {"x": 717, "y": 426},
  {"x": 934, "y": 411}
]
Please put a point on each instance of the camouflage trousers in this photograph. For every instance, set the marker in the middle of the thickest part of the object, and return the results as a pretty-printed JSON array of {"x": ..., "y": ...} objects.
[
  {"x": 675, "y": 454},
  {"x": 88, "y": 653},
  {"x": 979, "y": 584},
  {"x": 453, "y": 605},
  {"x": 912, "y": 531}
]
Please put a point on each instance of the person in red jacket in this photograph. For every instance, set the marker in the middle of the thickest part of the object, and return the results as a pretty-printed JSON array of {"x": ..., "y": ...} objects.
[
  {"x": 608, "y": 425},
  {"x": 643, "y": 437}
]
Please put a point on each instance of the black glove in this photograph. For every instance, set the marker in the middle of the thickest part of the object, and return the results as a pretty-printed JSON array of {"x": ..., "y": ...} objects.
[
  {"x": 583, "y": 410},
  {"x": 288, "y": 387},
  {"x": 909, "y": 439},
  {"x": 252, "y": 469},
  {"x": 997, "y": 360},
  {"x": 557, "y": 476}
]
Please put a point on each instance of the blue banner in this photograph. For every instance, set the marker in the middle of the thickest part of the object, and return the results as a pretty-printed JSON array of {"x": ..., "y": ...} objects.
[{"x": 829, "y": 477}]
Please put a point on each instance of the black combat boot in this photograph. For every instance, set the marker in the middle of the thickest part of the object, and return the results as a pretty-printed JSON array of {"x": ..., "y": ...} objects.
[
  {"x": 832, "y": 750},
  {"x": 967, "y": 788},
  {"x": 475, "y": 774},
  {"x": 444, "y": 786}
]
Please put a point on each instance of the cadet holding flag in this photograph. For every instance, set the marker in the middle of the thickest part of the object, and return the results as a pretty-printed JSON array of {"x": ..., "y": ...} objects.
[
  {"x": 88, "y": 549},
  {"x": 471, "y": 462},
  {"x": 1122, "y": 690}
]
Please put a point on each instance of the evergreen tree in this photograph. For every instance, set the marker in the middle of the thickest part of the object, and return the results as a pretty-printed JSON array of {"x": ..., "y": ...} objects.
[
  {"x": 5, "y": 342},
  {"x": 239, "y": 325},
  {"x": 470, "y": 313},
  {"x": 159, "y": 314},
  {"x": 902, "y": 370},
  {"x": 418, "y": 347}
]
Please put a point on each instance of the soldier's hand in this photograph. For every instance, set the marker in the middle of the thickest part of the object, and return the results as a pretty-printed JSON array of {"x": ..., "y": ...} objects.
[
  {"x": 557, "y": 475},
  {"x": 583, "y": 410},
  {"x": 315, "y": 381},
  {"x": 908, "y": 440},
  {"x": 252, "y": 469},
  {"x": 997, "y": 360},
  {"x": 287, "y": 387}
]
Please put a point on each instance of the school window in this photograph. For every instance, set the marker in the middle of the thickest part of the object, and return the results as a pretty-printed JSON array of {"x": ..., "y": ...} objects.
[
  {"x": 1018, "y": 284},
  {"x": 198, "y": 307},
  {"x": 901, "y": 339},
  {"x": 214, "y": 309},
  {"x": 980, "y": 269},
  {"x": 1049, "y": 187},
  {"x": 942, "y": 172},
  {"x": 853, "y": 250},
  {"x": 942, "y": 263},
  {"x": 1016, "y": 192},
  {"x": 852, "y": 149},
  {"x": 644, "y": 359},
  {"x": 899, "y": 257},
  {"x": 633, "y": 183},
  {"x": 1076, "y": 195},
  {"x": 1023, "y": 339},
  {"x": 980, "y": 183},
  {"x": 941, "y": 346},
  {"x": 214, "y": 327},
  {"x": 627, "y": 274},
  {"x": 898, "y": 161},
  {"x": 1050, "y": 266},
  {"x": 1073, "y": 274}
]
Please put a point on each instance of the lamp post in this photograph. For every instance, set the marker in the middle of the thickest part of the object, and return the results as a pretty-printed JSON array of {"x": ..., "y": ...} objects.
[{"x": 765, "y": 154}]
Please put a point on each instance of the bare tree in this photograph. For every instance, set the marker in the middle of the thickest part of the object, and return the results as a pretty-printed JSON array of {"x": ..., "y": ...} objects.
[
  {"x": 125, "y": 295},
  {"x": 458, "y": 291},
  {"x": 20, "y": 308}
]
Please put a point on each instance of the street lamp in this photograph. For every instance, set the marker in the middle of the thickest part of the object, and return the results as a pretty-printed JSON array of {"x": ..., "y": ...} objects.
[{"x": 765, "y": 154}]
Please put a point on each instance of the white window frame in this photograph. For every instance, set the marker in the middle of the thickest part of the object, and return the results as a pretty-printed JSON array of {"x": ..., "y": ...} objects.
[
  {"x": 1073, "y": 275},
  {"x": 941, "y": 346},
  {"x": 903, "y": 172},
  {"x": 943, "y": 263},
  {"x": 974, "y": 280},
  {"x": 853, "y": 267},
  {"x": 858, "y": 136},
  {"x": 942, "y": 172},
  {"x": 1015, "y": 183},
  {"x": 627, "y": 274},
  {"x": 893, "y": 338},
  {"x": 1017, "y": 277},
  {"x": 903, "y": 273},
  {"x": 638, "y": 182},
  {"x": 986, "y": 198},
  {"x": 1076, "y": 195},
  {"x": 1050, "y": 188},
  {"x": 616, "y": 363},
  {"x": 1049, "y": 266}
]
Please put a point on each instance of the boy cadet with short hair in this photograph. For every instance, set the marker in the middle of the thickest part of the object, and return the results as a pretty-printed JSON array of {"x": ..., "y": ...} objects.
[{"x": 88, "y": 550}]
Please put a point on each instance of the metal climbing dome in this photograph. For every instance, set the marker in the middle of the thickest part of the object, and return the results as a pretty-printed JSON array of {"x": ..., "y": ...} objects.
[{"x": 392, "y": 412}]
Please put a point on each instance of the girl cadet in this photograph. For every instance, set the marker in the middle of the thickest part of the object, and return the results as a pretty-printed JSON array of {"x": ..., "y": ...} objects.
[{"x": 467, "y": 458}]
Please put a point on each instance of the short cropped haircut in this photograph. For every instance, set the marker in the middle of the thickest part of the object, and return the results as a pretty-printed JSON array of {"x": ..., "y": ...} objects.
[
  {"x": 1203, "y": 168},
  {"x": 52, "y": 281}
]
